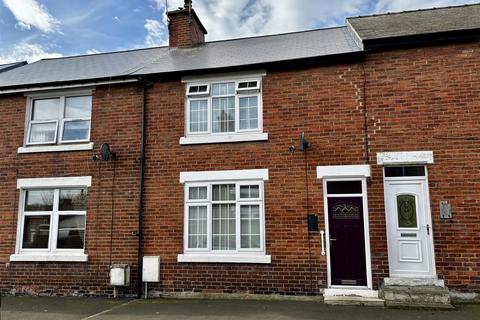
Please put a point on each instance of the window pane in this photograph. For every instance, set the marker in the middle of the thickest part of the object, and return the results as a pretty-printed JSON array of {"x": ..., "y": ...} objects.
[
  {"x": 45, "y": 109},
  {"x": 76, "y": 130},
  {"x": 71, "y": 232},
  {"x": 198, "y": 89},
  {"x": 223, "y": 89},
  {"x": 344, "y": 187},
  {"x": 42, "y": 132},
  {"x": 36, "y": 232},
  {"x": 78, "y": 107},
  {"x": 248, "y": 113},
  {"x": 223, "y": 225},
  {"x": 223, "y": 114},
  {"x": 73, "y": 200},
  {"x": 418, "y": 171},
  {"x": 250, "y": 226},
  {"x": 249, "y": 192},
  {"x": 197, "y": 227},
  {"x": 223, "y": 192},
  {"x": 407, "y": 211},
  {"x": 38, "y": 200},
  {"x": 197, "y": 193},
  {"x": 199, "y": 116}
]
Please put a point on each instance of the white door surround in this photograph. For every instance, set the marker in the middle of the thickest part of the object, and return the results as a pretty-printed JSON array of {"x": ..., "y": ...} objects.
[
  {"x": 409, "y": 228},
  {"x": 408, "y": 216}
]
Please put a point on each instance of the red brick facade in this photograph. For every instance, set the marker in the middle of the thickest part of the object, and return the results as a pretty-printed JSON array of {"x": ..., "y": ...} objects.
[{"x": 416, "y": 99}]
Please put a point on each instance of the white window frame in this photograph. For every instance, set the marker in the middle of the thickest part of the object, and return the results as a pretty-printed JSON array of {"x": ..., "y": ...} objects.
[
  {"x": 208, "y": 179},
  {"x": 51, "y": 253},
  {"x": 59, "y": 143},
  {"x": 238, "y": 135},
  {"x": 197, "y": 94},
  {"x": 187, "y": 116},
  {"x": 241, "y": 90}
]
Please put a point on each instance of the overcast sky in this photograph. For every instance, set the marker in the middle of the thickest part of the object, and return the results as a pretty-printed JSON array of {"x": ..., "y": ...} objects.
[{"x": 35, "y": 29}]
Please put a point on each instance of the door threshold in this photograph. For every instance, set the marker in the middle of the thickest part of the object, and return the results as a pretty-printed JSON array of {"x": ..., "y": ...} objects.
[
  {"x": 414, "y": 282},
  {"x": 350, "y": 292},
  {"x": 349, "y": 296}
]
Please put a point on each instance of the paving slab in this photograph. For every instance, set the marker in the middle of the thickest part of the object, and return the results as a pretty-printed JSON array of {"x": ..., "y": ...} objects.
[{"x": 40, "y": 308}]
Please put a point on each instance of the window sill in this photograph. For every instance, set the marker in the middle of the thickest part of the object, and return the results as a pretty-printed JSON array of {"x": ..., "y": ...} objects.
[
  {"x": 57, "y": 148},
  {"x": 66, "y": 257},
  {"x": 238, "y": 137},
  {"x": 225, "y": 258}
]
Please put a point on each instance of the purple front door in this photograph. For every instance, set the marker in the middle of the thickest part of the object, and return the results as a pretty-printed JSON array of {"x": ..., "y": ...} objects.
[{"x": 347, "y": 241}]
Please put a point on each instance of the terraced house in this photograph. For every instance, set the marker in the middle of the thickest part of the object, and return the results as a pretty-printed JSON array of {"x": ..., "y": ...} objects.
[{"x": 338, "y": 162}]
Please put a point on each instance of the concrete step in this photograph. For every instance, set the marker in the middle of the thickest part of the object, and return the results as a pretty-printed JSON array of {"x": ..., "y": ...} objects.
[
  {"x": 416, "y": 296},
  {"x": 354, "y": 301},
  {"x": 355, "y": 297}
]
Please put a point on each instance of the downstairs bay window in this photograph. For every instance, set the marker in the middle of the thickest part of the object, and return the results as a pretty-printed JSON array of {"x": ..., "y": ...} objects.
[
  {"x": 224, "y": 218},
  {"x": 52, "y": 218}
]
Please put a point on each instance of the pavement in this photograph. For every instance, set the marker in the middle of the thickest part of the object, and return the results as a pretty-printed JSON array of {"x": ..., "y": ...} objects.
[{"x": 29, "y": 308}]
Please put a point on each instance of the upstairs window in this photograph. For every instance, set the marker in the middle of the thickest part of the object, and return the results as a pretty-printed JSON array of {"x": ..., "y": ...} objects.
[
  {"x": 224, "y": 107},
  {"x": 59, "y": 120}
]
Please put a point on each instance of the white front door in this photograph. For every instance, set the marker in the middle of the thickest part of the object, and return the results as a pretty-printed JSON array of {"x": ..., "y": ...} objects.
[{"x": 409, "y": 226}]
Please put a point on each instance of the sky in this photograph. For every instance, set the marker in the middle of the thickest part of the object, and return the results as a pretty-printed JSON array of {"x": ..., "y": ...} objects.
[{"x": 35, "y": 29}]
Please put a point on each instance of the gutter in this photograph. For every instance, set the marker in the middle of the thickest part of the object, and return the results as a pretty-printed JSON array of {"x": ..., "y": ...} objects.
[
  {"x": 145, "y": 86},
  {"x": 67, "y": 86}
]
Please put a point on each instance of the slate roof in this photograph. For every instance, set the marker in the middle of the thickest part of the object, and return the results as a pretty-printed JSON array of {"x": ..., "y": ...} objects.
[
  {"x": 245, "y": 52},
  {"x": 418, "y": 22},
  {"x": 210, "y": 55},
  {"x": 9, "y": 66}
]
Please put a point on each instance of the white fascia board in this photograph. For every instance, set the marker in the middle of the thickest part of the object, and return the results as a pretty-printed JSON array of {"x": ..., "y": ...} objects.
[
  {"x": 202, "y": 176},
  {"x": 57, "y": 148},
  {"x": 66, "y": 257},
  {"x": 362, "y": 170},
  {"x": 239, "y": 137},
  {"x": 404, "y": 157},
  {"x": 225, "y": 258},
  {"x": 62, "y": 182}
]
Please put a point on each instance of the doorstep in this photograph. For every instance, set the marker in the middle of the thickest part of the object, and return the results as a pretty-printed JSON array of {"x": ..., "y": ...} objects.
[
  {"x": 349, "y": 296},
  {"x": 416, "y": 293}
]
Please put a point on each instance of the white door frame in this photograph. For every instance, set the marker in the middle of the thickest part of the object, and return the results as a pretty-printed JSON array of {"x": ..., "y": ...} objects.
[
  {"x": 428, "y": 213},
  {"x": 347, "y": 173}
]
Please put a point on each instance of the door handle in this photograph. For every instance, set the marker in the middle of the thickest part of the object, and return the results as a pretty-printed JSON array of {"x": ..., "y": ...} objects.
[
  {"x": 322, "y": 234},
  {"x": 428, "y": 229},
  {"x": 332, "y": 239}
]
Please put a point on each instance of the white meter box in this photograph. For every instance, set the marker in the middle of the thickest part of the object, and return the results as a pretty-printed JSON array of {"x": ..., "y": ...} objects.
[
  {"x": 151, "y": 269},
  {"x": 120, "y": 275}
]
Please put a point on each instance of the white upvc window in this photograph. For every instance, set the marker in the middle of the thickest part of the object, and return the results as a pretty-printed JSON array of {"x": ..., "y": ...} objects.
[
  {"x": 58, "y": 119},
  {"x": 52, "y": 219},
  {"x": 224, "y": 110},
  {"x": 225, "y": 218}
]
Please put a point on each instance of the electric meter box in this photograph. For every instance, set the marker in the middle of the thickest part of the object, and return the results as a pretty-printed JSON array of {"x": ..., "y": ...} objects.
[
  {"x": 120, "y": 275},
  {"x": 151, "y": 269}
]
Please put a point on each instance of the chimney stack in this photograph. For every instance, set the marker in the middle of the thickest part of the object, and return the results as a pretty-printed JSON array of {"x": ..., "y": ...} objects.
[{"x": 184, "y": 27}]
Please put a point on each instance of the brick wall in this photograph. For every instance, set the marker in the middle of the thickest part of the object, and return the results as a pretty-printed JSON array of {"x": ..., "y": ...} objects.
[
  {"x": 184, "y": 30},
  {"x": 115, "y": 120},
  {"x": 417, "y": 99},
  {"x": 429, "y": 99}
]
